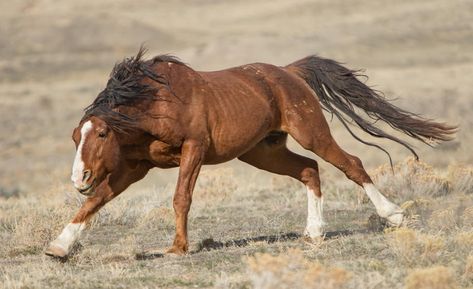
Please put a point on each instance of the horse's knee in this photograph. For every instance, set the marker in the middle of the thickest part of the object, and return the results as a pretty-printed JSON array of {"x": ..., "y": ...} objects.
[
  {"x": 182, "y": 202},
  {"x": 310, "y": 177},
  {"x": 310, "y": 173}
]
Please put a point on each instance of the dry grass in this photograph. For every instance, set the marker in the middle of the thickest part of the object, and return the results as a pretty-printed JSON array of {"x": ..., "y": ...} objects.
[
  {"x": 292, "y": 270},
  {"x": 215, "y": 185},
  {"x": 118, "y": 248},
  {"x": 467, "y": 217},
  {"x": 469, "y": 268}
]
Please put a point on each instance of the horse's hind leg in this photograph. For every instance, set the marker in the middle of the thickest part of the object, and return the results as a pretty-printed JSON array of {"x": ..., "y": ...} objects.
[
  {"x": 272, "y": 155},
  {"x": 311, "y": 131}
]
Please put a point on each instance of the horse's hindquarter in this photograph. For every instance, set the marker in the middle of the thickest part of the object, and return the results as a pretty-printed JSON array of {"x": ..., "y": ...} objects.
[{"x": 241, "y": 109}]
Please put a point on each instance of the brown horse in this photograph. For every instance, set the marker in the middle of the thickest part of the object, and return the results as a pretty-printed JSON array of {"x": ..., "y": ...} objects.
[{"x": 161, "y": 113}]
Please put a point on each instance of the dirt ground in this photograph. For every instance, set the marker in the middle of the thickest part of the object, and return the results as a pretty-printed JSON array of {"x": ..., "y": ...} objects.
[{"x": 245, "y": 225}]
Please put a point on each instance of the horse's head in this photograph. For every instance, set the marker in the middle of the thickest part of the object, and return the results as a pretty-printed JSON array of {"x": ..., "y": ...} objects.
[{"x": 97, "y": 155}]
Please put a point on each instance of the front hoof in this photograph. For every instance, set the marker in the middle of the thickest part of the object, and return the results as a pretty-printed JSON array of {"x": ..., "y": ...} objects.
[
  {"x": 174, "y": 250},
  {"x": 395, "y": 220},
  {"x": 56, "y": 251}
]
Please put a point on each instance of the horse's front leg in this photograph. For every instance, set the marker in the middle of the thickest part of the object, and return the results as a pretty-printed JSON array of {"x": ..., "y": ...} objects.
[
  {"x": 191, "y": 161},
  {"x": 62, "y": 245},
  {"x": 111, "y": 187}
]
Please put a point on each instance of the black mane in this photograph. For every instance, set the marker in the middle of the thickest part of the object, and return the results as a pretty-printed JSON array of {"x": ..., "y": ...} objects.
[{"x": 126, "y": 88}]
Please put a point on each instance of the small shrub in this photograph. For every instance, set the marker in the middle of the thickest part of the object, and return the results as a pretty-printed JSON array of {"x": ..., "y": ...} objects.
[
  {"x": 411, "y": 179},
  {"x": 443, "y": 219},
  {"x": 403, "y": 242},
  {"x": 461, "y": 178},
  {"x": 438, "y": 277},
  {"x": 432, "y": 246},
  {"x": 412, "y": 247},
  {"x": 464, "y": 240},
  {"x": 416, "y": 211}
]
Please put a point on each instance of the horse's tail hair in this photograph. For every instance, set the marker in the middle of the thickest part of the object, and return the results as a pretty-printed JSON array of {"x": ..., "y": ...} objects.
[{"x": 340, "y": 92}]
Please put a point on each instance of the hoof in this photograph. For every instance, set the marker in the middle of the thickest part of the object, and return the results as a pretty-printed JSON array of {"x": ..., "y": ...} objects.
[
  {"x": 176, "y": 251},
  {"x": 314, "y": 232},
  {"x": 55, "y": 251},
  {"x": 395, "y": 220}
]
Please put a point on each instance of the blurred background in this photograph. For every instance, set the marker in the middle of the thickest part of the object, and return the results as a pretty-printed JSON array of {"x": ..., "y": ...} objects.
[{"x": 55, "y": 57}]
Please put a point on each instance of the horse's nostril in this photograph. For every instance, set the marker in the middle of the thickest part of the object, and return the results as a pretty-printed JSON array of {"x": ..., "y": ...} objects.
[{"x": 86, "y": 175}]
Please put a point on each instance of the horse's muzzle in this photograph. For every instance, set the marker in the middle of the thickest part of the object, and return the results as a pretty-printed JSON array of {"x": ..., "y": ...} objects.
[{"x": 87, "y": 190}]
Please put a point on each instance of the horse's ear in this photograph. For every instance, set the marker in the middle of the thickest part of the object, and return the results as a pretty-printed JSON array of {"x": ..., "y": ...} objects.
[{"x": 75, "y": 134}]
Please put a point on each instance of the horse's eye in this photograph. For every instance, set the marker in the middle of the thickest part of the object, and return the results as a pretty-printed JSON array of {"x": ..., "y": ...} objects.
[{"x": 102, "y": 134}]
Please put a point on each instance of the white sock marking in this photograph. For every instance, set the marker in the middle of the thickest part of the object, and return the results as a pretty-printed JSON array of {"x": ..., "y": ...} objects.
[
  {"x": 68, "y": 236},
  {"x": 315, "y": 220},
  {"x": 78, "y": 166},
  {"x": 384, "y": 207}
]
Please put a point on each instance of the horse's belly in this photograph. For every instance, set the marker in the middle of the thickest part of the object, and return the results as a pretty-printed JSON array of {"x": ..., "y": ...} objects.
[
  {"x": 236, "y": 137},
  {"x": 222, "y": 152}
]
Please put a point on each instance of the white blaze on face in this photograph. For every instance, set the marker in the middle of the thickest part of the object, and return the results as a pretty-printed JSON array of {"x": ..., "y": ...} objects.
[
  {"x": 78, "y": 167},
  {"x": 384, "y": 207},
  {"x": 315, "y": 220},
  {"x": 68, "y": 236}
]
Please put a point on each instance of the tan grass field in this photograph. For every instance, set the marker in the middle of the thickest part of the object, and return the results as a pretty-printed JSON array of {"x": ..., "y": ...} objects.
[{"x": 245, "y": 224}]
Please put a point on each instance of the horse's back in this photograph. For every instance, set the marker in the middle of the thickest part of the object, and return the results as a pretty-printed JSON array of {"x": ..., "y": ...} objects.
[{"x": 237, "y": 107}]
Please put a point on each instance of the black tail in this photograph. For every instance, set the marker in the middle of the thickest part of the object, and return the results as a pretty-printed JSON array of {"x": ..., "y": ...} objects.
[{"x": 340, "y": 93}]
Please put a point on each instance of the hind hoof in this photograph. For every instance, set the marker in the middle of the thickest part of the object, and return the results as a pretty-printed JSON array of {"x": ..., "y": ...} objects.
[
  {"x": 395, "y": 220},
  {"x": 314, "y": 232},
  {"x": 55, "y": 251}
]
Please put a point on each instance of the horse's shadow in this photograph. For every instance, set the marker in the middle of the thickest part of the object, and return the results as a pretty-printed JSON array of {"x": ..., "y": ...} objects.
[
  {"x": 211, "y": 244},
  {"x": 375, "y": 224}
]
